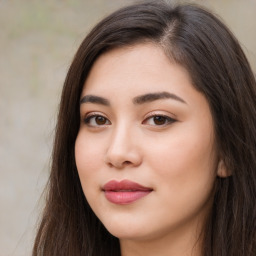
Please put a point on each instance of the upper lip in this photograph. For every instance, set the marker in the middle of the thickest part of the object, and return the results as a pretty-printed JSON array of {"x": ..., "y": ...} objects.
[{"x": 124, "y": 185}]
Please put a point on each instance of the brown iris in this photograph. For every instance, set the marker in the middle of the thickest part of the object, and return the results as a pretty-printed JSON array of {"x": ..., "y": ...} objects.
[
  {"x": 100, "y": 120},
  {"x": 159, "y": 120}
]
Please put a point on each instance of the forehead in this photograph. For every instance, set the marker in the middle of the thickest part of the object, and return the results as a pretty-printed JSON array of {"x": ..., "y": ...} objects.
[{"x": 139, "y": 68}]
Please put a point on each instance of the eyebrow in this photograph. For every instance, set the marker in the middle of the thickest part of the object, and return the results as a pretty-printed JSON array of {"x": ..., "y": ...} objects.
[
  {"x": 149, "y": 97},
  {"x": 145, "y": 98},
  {"x": 95, "y": 99}
]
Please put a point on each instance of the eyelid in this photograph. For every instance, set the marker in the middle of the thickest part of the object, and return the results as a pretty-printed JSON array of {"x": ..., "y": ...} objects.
[
  {"x": 160, "y": 113},
  {"x": 94, "y": 113}
]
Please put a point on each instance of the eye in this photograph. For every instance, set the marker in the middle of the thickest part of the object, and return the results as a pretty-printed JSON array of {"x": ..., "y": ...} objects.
[
  {"x": 159, "y": 120},
  {"x": 96, "y": 120}
]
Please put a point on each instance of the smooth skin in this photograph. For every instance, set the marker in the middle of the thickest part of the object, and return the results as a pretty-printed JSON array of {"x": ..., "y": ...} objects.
[{"x": 143, "y": 120}]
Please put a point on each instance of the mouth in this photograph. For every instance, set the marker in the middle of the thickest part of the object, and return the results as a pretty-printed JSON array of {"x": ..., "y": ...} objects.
[{"x": 125, "y": 191}]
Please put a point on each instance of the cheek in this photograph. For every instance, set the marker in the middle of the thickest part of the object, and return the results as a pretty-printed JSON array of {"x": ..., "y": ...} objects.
[
  {"x": 184, "y": 170},
  {"x": 87, "y": 158},
  {"x": 87, "y": 164},
  {"x": 184, "y": 159}
]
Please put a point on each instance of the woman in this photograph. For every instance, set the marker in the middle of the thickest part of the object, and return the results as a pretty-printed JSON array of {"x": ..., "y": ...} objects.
[{"x": 155, "y": 143}]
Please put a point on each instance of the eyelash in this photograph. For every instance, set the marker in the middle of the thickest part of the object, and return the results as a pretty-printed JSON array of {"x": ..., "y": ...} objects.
[
  {"x": 167, "y": 120},
  {"x": 161, "y": 118},
  {"x": 89, "y": 117}
]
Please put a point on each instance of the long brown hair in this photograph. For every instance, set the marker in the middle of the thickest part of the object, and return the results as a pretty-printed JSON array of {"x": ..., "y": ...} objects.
[{"x": 197, "y": 40}]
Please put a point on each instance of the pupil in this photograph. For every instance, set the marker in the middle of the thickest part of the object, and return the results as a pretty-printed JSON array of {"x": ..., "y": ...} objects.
[
  {"x": 100, "y": 120},
  {"x": 159, "y": 120}
]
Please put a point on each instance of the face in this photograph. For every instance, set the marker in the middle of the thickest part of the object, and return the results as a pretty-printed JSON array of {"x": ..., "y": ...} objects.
[{"x": 145, "y": 151}]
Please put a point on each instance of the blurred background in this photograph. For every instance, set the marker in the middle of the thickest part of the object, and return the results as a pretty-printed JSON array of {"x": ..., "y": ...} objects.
[{"x": 37, "y": 42}]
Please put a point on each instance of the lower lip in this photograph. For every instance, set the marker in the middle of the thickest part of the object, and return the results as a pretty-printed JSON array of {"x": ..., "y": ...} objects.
[{"x": 125, "y": 197}]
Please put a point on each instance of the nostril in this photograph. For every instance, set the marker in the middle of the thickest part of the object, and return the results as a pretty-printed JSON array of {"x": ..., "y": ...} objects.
[
  {"x": 122, "y": 158},
  {"x": 126, "y": 163},
  {"x": 119, "y": 165}
]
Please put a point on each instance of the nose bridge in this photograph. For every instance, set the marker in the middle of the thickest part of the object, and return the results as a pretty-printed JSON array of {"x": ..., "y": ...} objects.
[
  {"x": 122, "y": 148},
  {"x": 121, "y": 139}
]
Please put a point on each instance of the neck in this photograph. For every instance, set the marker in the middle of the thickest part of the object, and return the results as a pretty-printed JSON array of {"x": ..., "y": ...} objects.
[{"x": 161, "y": 247}]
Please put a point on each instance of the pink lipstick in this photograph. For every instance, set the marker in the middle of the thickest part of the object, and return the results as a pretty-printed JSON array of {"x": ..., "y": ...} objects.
[{"x": 125, "y": 191}]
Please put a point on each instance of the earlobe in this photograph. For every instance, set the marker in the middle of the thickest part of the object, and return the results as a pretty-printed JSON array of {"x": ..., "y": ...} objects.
[{"x": 222, "y": 171}]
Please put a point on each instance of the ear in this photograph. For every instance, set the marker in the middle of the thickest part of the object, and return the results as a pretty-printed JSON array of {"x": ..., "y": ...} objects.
[{"x": 222, "y": 171}]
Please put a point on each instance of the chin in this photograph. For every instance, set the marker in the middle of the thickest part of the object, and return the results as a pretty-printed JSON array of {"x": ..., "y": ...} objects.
[{"x": 124, "y": 231}]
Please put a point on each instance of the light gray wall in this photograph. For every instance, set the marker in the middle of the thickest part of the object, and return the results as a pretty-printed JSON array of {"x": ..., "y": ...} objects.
[{"x": 37, "y": 42}]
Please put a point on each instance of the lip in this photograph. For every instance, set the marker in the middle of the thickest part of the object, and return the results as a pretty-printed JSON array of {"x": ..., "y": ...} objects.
[{"x": 125, "y": 191}]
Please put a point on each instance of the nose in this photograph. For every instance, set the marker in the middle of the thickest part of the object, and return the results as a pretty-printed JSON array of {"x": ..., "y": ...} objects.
[{"x": 123, "y": 149}]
